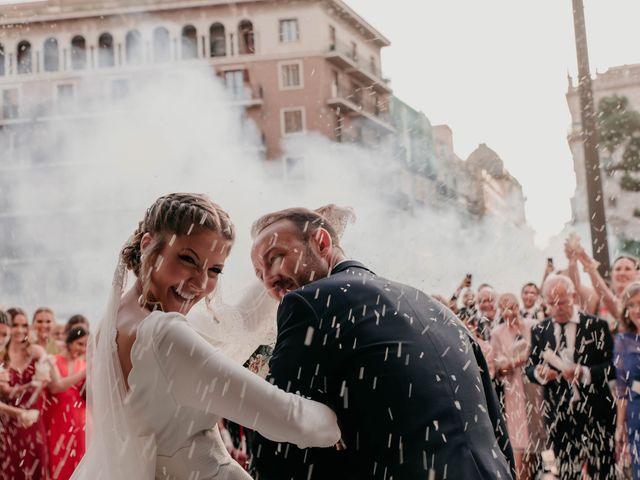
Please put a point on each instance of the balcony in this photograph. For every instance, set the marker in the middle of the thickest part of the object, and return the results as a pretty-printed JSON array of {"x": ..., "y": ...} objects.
[
  {"x": 359, "y": 102},
  {"x": 347, "y": 58},
  {"x": 245, "y": 97}
]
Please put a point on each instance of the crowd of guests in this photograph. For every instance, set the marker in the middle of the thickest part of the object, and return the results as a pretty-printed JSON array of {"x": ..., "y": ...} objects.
[
  {"x": 564, "y": 356},
  {"x": 42, "y": 394},
  {"x": 565, "y": 361}
]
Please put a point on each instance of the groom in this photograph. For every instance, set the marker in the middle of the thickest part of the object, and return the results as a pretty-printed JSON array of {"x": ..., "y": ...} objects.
[{"x": 408, "y": 383}]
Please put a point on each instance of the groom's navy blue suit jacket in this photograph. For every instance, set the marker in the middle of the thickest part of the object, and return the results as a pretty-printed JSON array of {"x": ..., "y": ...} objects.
[{"x": 406, "y": 379}]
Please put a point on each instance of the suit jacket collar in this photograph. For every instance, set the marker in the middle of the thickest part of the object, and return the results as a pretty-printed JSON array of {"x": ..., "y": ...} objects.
[{"x": 347, "y": 264}]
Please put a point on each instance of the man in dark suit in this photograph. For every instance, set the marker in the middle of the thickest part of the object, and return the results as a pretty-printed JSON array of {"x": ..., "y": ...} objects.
[
  {"x": 571, "y": 356},
  {"x": 406, "y": 379}
]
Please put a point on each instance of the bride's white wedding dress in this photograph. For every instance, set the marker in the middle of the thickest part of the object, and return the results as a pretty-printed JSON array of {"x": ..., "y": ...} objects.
[{"x": 163, "y": 427}]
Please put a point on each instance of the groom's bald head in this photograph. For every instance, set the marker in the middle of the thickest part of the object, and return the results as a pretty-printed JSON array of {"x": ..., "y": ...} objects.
[{"x": 306, "y": 221}]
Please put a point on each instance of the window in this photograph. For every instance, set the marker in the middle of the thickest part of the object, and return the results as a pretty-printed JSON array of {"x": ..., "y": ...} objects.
[
  {"x": 294, "y": 168},
  {"x": 335, "y": 84},
  {"x": 10, "y": 103},
  {"x": 293, "y": 121},
  {"x": 78, "y": 53},
  {"x": 51, "y": 55},
  {"x": 234, "y": 81},
  {"x": 354, "y": 51},
  {"x": 105, "y": 51},
  {"x": 189, "y": 43},
  {"x": 289, "y": 30},
  {"x": 372, "y": 65},
  {"x": 290, "y": 76},
  {"x": 217, "y": 40},
  {"x": 356, "y": 95},
  {"x": 246, "y": 38},
  {"x": 161, "y": 45},
  {"x": 120, "y": 88},
  {"x": 332, "y": 37},
  {"x": 133, "y": 47},
  {"x": 1, "y": 60},
  {"x": 65, "y": 92},
  {"x": 65, "y": 95},
  {"x": 24, "y": 57}
]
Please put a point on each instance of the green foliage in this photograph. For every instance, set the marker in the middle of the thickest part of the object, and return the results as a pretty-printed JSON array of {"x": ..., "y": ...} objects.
[
  {"x": 630, "y": 246},
  {"x": 631, "y": 156},
  {"x": 614, "y": 122},
  {"x": 629, "y": 183},
  {"x": 619, "y": 127}
]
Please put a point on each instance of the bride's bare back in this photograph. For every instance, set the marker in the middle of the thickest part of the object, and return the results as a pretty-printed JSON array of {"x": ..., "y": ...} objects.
[{"x": 130, "y": 314}]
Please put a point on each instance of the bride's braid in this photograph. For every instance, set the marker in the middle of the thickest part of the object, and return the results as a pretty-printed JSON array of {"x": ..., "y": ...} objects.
[{"x": 175, "y": 214}]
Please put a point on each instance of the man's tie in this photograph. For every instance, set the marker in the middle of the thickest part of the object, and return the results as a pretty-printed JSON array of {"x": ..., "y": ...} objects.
[{"x": 563, "y": 338}]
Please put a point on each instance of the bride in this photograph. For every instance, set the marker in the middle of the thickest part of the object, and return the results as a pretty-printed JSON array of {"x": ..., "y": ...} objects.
[{"x": 156, "y": 387}]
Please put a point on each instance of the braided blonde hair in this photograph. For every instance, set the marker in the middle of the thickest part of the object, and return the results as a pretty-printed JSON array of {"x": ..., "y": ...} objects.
[{"x": 174, "y": 214}]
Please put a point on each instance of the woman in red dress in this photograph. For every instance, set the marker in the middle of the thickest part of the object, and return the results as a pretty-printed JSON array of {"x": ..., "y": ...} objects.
[
  {"x": 24, "y": 449},
  {"x": 65, "y": 414}
]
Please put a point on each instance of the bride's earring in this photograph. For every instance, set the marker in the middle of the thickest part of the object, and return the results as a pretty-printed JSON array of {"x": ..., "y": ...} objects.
[{"x": 208, "y": 300}]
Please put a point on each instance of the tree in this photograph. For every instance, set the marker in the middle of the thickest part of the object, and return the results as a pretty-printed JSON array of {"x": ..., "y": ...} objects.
[{"x": 619, "y": 127}]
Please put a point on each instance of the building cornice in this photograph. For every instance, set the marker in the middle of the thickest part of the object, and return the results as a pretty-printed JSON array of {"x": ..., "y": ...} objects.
[
  {"x": 347, "y": 11},
  {"x": 613, "y": 78},
  {"x": 22, "y": 13},
  {"x": 42, "y": 12}
]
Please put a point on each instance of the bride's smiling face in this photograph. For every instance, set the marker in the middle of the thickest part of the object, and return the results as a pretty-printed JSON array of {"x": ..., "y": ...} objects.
[{"x": 185, "y": 269}]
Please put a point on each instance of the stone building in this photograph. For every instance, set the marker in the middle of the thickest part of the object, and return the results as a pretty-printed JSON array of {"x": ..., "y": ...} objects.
[
  {"x": 621, "y": 206},
  {"x": 499, "y": 193},
  {"x": 296, "y": 66},
  {"x": 434, "y": 175}
]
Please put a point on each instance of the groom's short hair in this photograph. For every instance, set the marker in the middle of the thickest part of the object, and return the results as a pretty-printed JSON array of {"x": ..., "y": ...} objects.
[{"x": 307, "y": 222}]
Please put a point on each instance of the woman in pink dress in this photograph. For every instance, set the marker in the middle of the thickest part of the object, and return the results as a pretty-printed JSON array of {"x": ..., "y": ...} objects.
[
  {"x": 511, "y": 342},
  {"x": 65, "y": 414},
  {"x": 24, "y": 448}
]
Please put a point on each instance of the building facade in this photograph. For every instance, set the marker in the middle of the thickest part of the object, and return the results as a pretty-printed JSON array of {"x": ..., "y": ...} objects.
[
  {"x": 497, "y": 192},
  {"x": 621, "y": 206},
  {"x": 433, "y": 174},
  {"x": 296, "y": 66}
]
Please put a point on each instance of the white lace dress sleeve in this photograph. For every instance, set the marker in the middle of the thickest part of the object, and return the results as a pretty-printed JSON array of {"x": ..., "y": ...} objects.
[{"x": 204, "y": 378}]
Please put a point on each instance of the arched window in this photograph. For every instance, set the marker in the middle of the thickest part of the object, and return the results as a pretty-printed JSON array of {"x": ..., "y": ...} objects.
[
  {"x": 133, "y": 47},
  {"x": 24, "y": 57},
  {"x": 246, "y": 38},
  {"x": 1, "y": 60},
  {"x": 51, "y": 55},
  {"x": 78, "y": 53},
  {"x": 189, "y": 42},
  {"x": 161, "y": 45},
  {"x": 106, "y": 57},
  {"x": 217, "y": 40}
]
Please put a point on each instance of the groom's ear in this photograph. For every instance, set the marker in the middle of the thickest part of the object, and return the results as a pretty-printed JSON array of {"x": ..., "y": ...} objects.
[{"x": 323, "y": 242}]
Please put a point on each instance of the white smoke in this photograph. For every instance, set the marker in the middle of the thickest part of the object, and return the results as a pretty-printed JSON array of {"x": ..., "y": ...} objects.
[{"x": 79, "y": 194}]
